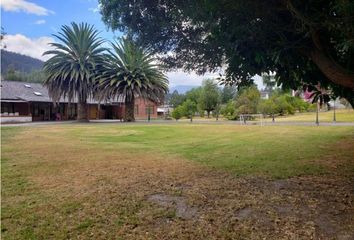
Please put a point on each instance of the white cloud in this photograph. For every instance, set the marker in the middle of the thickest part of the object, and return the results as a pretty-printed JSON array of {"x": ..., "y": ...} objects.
[
  {"x": 193, "y": 79},
  {"x": 96, "y": 9},
  {"x": 24, "y": 6},
  {"x": 183, "y": 78},
  {"x": 31, "y": 47},
  {"x": 38, "y": 22}
]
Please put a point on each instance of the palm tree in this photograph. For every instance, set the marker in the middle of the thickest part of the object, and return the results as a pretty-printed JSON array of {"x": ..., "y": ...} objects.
[
  {"x": 132, "y": 72},
  {"x": 71, "y": 71},
  {"x": 319, "y": 96}
]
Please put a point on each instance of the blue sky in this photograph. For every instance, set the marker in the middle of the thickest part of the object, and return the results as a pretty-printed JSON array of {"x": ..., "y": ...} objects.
[
  {"x": 29, "y": 25},
  {"x": 35, "y": 23}
]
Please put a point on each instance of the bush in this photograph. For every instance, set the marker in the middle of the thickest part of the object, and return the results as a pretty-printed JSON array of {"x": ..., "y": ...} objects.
[
  {"x": 228, "y": 110},
  {"x": 247, "y": 101},
  {"x": 177, "y": 113}
]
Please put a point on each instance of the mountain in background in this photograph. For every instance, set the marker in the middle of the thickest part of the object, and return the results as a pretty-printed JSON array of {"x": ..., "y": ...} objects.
[
  {"x": 18, "y": 67},
  {"x": 19, "y": 62},
  {"x": 182, "y": 88}
]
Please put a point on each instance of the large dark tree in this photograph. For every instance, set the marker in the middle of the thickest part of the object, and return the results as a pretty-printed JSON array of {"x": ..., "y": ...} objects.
[{"x": 302, "y": 41}]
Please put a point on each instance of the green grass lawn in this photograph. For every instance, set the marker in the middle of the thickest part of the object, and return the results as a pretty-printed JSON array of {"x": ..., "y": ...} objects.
[
  {"x": 272, "y": 151},
  {"x": 342, "y": 115},
  {"x": 92, "y": 180}
]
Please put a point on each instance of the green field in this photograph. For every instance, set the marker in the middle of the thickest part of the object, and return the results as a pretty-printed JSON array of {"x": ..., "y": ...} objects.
[
  {"x": 98, "y": 181},
  {"x": 342, "y": 115}
]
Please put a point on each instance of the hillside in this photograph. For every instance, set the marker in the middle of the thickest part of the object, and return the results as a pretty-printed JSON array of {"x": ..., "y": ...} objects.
[
  {"x": 182, "y": 88},
  {"x": 18, "y": 62}
]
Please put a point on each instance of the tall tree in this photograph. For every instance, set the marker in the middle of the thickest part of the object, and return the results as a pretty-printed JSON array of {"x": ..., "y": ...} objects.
[
  {"x": 71, "y": 71},
  {"x": 132, "y": 71},
  {"x": 177, "y": 99},
  {"x": 189, "y": 108},
  {"x": 209, "y": 96},
  {"x": 228, "y": 93},
  {"x": 247, "y": 101},
  {"x": 194, "y": 95},
  {"x": 295, "y": 39}
]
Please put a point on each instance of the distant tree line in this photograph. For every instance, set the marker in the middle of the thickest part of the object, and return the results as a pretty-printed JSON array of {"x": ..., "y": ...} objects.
[
  {"x": 207, "y": 99},
  {"x": 210, "y": 99},
  {"x": 35, "y": 76}
]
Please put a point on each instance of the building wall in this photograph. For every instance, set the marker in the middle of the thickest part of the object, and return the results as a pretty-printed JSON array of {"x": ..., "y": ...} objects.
[
  {"x": 142, "y": 109},
  {"x": 19, "y": 107},
  {"x": 41, "y": 111},
  {"x": 45, "y": 111},
  {"x": 15, "y": 119},
  {"x": 93, "y": 111}
]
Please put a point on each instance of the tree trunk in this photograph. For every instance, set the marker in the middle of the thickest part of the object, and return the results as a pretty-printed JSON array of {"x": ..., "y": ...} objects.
[
  {"x": 331, "y": 70},
  {"x": 82, "y": 115},
  {"x": 208, "y": 112},
  {"x": 129, "y": 110}
]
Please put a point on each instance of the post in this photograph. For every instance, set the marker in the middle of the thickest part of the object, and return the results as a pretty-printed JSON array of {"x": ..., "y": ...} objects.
[
  {"x": 317, "y": 109},
  {"x": 149, "y": 109},
  {"x": 98, "y": 110},
  {"x": 29, "y": 109},
  {"x": 334, "y": 111}
]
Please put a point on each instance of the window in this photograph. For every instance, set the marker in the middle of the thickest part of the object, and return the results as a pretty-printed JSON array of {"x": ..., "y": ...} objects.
[
  {"x": 35, "y": 109},
  {"x": 72, "y": 110},
  {"x": 7, "y": 107},
  {"x": 136, "y": 110}
]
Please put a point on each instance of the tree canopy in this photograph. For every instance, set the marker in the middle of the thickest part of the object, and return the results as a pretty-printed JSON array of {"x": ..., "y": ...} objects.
[
  {"x": 176, "y": 99},
  {"x": 301, "y": 41},
  {"x": 247, "y": 101},
  {"x": 209, "y": 98},
  {"x": 71, "y": 71},
  {"x": 131, "y": 71}
]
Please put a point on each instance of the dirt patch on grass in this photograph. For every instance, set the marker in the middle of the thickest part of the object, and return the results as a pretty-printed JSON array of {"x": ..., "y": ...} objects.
[
  {"x": 86, "y": 190},
  {"x": 177, "y": 203}
]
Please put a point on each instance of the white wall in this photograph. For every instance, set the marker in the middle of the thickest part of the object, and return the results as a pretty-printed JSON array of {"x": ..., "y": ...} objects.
[{"x": 17, "y": 119}]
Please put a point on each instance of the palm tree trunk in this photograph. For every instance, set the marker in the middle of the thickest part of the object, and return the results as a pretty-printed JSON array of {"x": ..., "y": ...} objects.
[
  {"x": 82, "y": 115},
  {"x": 129, "y": 110}
]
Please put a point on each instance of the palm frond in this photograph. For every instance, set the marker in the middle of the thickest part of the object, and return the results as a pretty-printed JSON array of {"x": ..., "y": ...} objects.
[
  {"x": 72, "y": 70},
  {"x": 132, "y": 71}
]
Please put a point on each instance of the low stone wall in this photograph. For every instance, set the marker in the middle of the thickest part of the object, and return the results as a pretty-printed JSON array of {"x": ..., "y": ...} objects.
[{"x": 16, "y": 119}]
